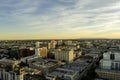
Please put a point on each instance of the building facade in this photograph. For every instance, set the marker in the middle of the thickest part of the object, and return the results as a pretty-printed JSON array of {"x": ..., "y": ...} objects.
[
  {"x": 64, "y": 55},
  {"x": 109, "y": 67},
  {"x": 43, "y": 52}
]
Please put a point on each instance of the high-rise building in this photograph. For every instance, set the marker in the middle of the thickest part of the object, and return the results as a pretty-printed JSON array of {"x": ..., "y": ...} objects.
[
  {"x": 49, "y": 45},
  {"x": 37, "y": 52},
  {"x": 52, "y": 44},
  {"x": 43, "y": 52},
  {"x": 37, "y": 44}
]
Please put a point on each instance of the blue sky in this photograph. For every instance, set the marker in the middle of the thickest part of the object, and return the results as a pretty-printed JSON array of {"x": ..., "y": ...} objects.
[{"x": 44, "y": 19}]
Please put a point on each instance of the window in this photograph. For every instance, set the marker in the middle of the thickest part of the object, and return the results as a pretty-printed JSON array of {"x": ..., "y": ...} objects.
[
  {"x": 116, "y": 66},
  {"x": 112, "y": 56}
]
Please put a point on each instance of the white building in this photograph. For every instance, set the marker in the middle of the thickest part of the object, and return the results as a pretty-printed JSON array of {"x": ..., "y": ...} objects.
[
  {"x": 37, "y": 52},
  {"x": 111, "y": 60},
  {"x": 109, "y": 66},
  {"x": 37, "y": 44},
  {"x": 66, "y": 55}
]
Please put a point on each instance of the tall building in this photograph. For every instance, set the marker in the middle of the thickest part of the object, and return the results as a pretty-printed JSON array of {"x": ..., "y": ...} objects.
[
  {"x": 52, "y": 44},
  {"x": 37, "y": 44},
  {"x": 110, "y": 66},
  {"x": 37, "y": 52},
  {"x": 64, "y": 55},
  {"x": 37, "y": 49},
  {"x": 49, "y": 45},
  {"x": 43, "y": 52}
]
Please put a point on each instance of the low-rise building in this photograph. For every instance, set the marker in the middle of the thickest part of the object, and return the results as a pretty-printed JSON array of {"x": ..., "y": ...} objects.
[
  {"x": 72, "y": 71},
  {"x": 8, "y": 63},
  {"x": 65, "y": 74},
  {"x": 44, "y": 66},
  {"x": 32, "y": 71}
]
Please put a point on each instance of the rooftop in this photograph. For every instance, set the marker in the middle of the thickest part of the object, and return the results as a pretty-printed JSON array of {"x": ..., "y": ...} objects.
[
  {"x": 8, "y": 61},
  {"x": 62, "y": 71}
]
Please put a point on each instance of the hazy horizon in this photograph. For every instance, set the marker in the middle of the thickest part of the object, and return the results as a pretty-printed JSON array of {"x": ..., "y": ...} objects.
[{"x": 59, "y": 19}]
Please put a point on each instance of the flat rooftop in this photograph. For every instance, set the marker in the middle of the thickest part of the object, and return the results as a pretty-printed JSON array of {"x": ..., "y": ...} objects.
[
  {"x": 62, "y": 71},
  {"x": 8, "y": 61},
  {"x": 44, "y": 63}
]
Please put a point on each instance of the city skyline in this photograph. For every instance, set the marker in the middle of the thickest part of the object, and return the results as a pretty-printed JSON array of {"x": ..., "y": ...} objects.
[{"x": 59, "y": 19}]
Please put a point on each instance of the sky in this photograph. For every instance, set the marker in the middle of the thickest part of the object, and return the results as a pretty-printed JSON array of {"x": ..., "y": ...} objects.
[{"x": 59, "y": 19}]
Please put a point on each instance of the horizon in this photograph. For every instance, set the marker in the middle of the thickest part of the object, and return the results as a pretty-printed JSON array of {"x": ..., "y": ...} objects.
[
  {"x": 64, "y": 39},
  {"x": 59, "y": 19}
]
